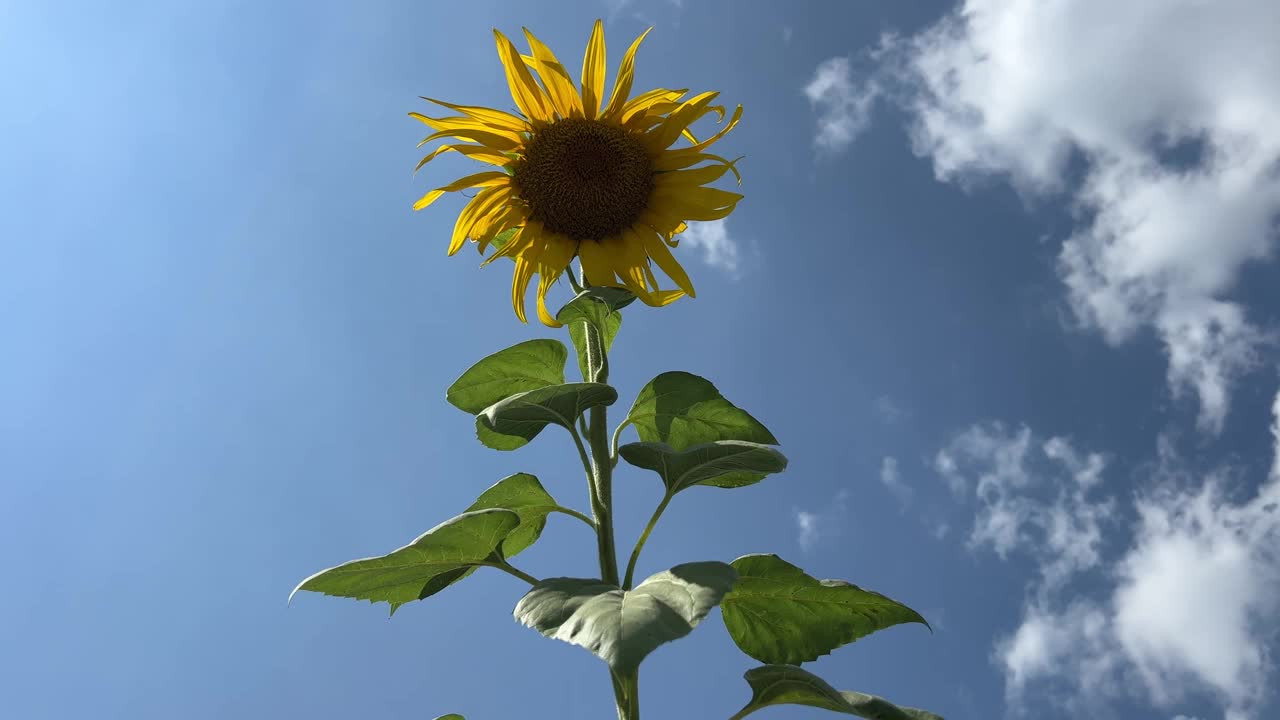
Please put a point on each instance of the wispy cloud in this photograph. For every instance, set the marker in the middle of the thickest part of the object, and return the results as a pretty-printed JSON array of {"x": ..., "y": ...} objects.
[
  {"x": 1178, "y": 190},
  {"x": 843, "y": 105},
  {"x": 890, "y": 411},
  {"x": 712, "y": 240},
  {"x": 814, "y": 527},
  {"x": 901, "y": 491}
]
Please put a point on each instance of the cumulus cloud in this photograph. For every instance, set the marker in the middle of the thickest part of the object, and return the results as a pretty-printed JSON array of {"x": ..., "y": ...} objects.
[
  {"x": 1169, "y": 109},
  {"x": 843, "y": 105},
  {"x": 712, "y": 239},
  {"x": 1030, "y": 496},
  {"x": 1187, "y": 607}
]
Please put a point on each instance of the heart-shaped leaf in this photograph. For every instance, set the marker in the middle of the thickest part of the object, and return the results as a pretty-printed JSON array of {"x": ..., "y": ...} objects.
[
  {"x": 789, "y": 685},
  {"x": 622, "y": 627},
  {"x": 723, "y": 464},
  {"x": 779, "y": 614},
  {"x": 422, "y": 568},
  {"x": 527, "y": 366},
  {"x": 513, "y": 422},
  {"x": 682, "y": 410}
]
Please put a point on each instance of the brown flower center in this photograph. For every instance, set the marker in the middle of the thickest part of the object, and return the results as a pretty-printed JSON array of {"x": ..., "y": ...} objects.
[{"x": 586, "y": 179}]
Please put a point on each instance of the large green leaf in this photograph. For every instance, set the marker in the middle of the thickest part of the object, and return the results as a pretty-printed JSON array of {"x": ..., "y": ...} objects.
[
  {"x": 513, "y": 422},
  {"x": 622, "y": 627},
  {"x": 422, "y": 568},
  {"x": 723, "y": 463},
  {"x": 524, "y": 495},
  {"x": 778, "y": 614},
  {"x": 527, "y": 366},
  {"x": 681, "y": 410},
  {"x": 601, "y": 308},
  {"x": 789, "y": 685}
]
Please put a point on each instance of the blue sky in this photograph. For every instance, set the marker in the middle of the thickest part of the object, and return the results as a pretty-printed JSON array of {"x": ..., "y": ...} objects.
[{"x": 1003, "y": 285}]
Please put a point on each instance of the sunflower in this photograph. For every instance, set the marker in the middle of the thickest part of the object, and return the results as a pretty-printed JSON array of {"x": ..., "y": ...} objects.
[{"x": 581, "y": 175}]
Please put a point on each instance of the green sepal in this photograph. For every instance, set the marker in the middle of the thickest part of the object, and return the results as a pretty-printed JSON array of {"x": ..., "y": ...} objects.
[
  {"x": 623, "y": 627},
  {"x": 790, "y": 685},
  {"x": 777, "y": 613},
  {"x": 723, "y": 463}
]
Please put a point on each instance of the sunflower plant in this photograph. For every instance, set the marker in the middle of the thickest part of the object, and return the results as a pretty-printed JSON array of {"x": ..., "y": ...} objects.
[{"x": 611, "y": 181}]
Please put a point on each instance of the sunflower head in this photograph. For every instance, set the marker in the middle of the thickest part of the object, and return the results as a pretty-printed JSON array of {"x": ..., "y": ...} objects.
[{"x": 577, "y": 174}]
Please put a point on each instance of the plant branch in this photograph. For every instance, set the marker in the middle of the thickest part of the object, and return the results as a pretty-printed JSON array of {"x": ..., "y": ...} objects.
[
  {"x": 617, "y": 433},
  {"x": 574, "y": 513},
  {"x": 644, "y": 536},
  {"x": 506, "y": 567}
]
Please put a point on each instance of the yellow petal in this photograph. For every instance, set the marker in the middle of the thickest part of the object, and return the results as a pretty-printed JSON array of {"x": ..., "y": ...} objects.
[
  {"x": 595, "y": 263},
  {"x": 520, "y": 243},
  {"x": 695, "y": 196},
  {"x": 564, "y": 96},
  {"x": 524, "y": 90},
  {"x": 475, "y": 152},
  {"x": 551, "y": 264},
  {"x": 686, "y": 178},
  {"x": 593, "y": 72},
  {"x": 480, "y": 206},
  {"x": 678, "y": 159},
  {"x": 644, "y": 101},
  {"x": 496, "y": 118},
  {"x": 464, "y": 123},
  {"x": 526, "y": 263},
  {"x": 678, "y": 120},
  {"x": 486, "y": 229},
  {"x": 733, "y": 121},
  {"x": 484, "y": 179},
  {"x": 657, "y": 249},
  {"x": 488, "y": 139},
  {"x": 622, "y": 86}
]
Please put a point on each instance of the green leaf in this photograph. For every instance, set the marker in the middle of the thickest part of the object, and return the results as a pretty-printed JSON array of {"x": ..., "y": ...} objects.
[
  {"x": 681, "y": 410},
  {"x": 789, "y": 685},
  {"x": 513, "y": 422},
  {"x": 778, "y": 614},
  {"x": 439, "y": 557},
  {"x": 600, "y": 307},
  {"x": 451, "y": 716},
  {"x": 622, "y": 627},
  {"x": 724, "y": 463},
  {"x": 524, "y": 495},
  {"x": 527, "y": 366}
]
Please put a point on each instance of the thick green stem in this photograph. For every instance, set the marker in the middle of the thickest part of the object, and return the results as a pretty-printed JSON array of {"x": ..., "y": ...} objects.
[
  {"x": 626, "y": 695},
  {"x": 601, "y": 462},
  {"x": 644, "y": 536}
]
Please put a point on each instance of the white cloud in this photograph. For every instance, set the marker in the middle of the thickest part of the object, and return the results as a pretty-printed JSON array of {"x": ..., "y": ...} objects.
[
  {"x": 903, "y": 492},
  {"x": 843, "y": 106},
  {"x": 712, "y": 239},
  {"x": 1188, "y": 608},
  {"x": 1030, "y": 496},
  {"x": 814, "y": 527},
  {"x": 1131, "y": 93}
]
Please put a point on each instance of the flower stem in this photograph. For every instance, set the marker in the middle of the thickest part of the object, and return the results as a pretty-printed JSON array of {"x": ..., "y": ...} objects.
[{"x": 635, "y": 554}]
